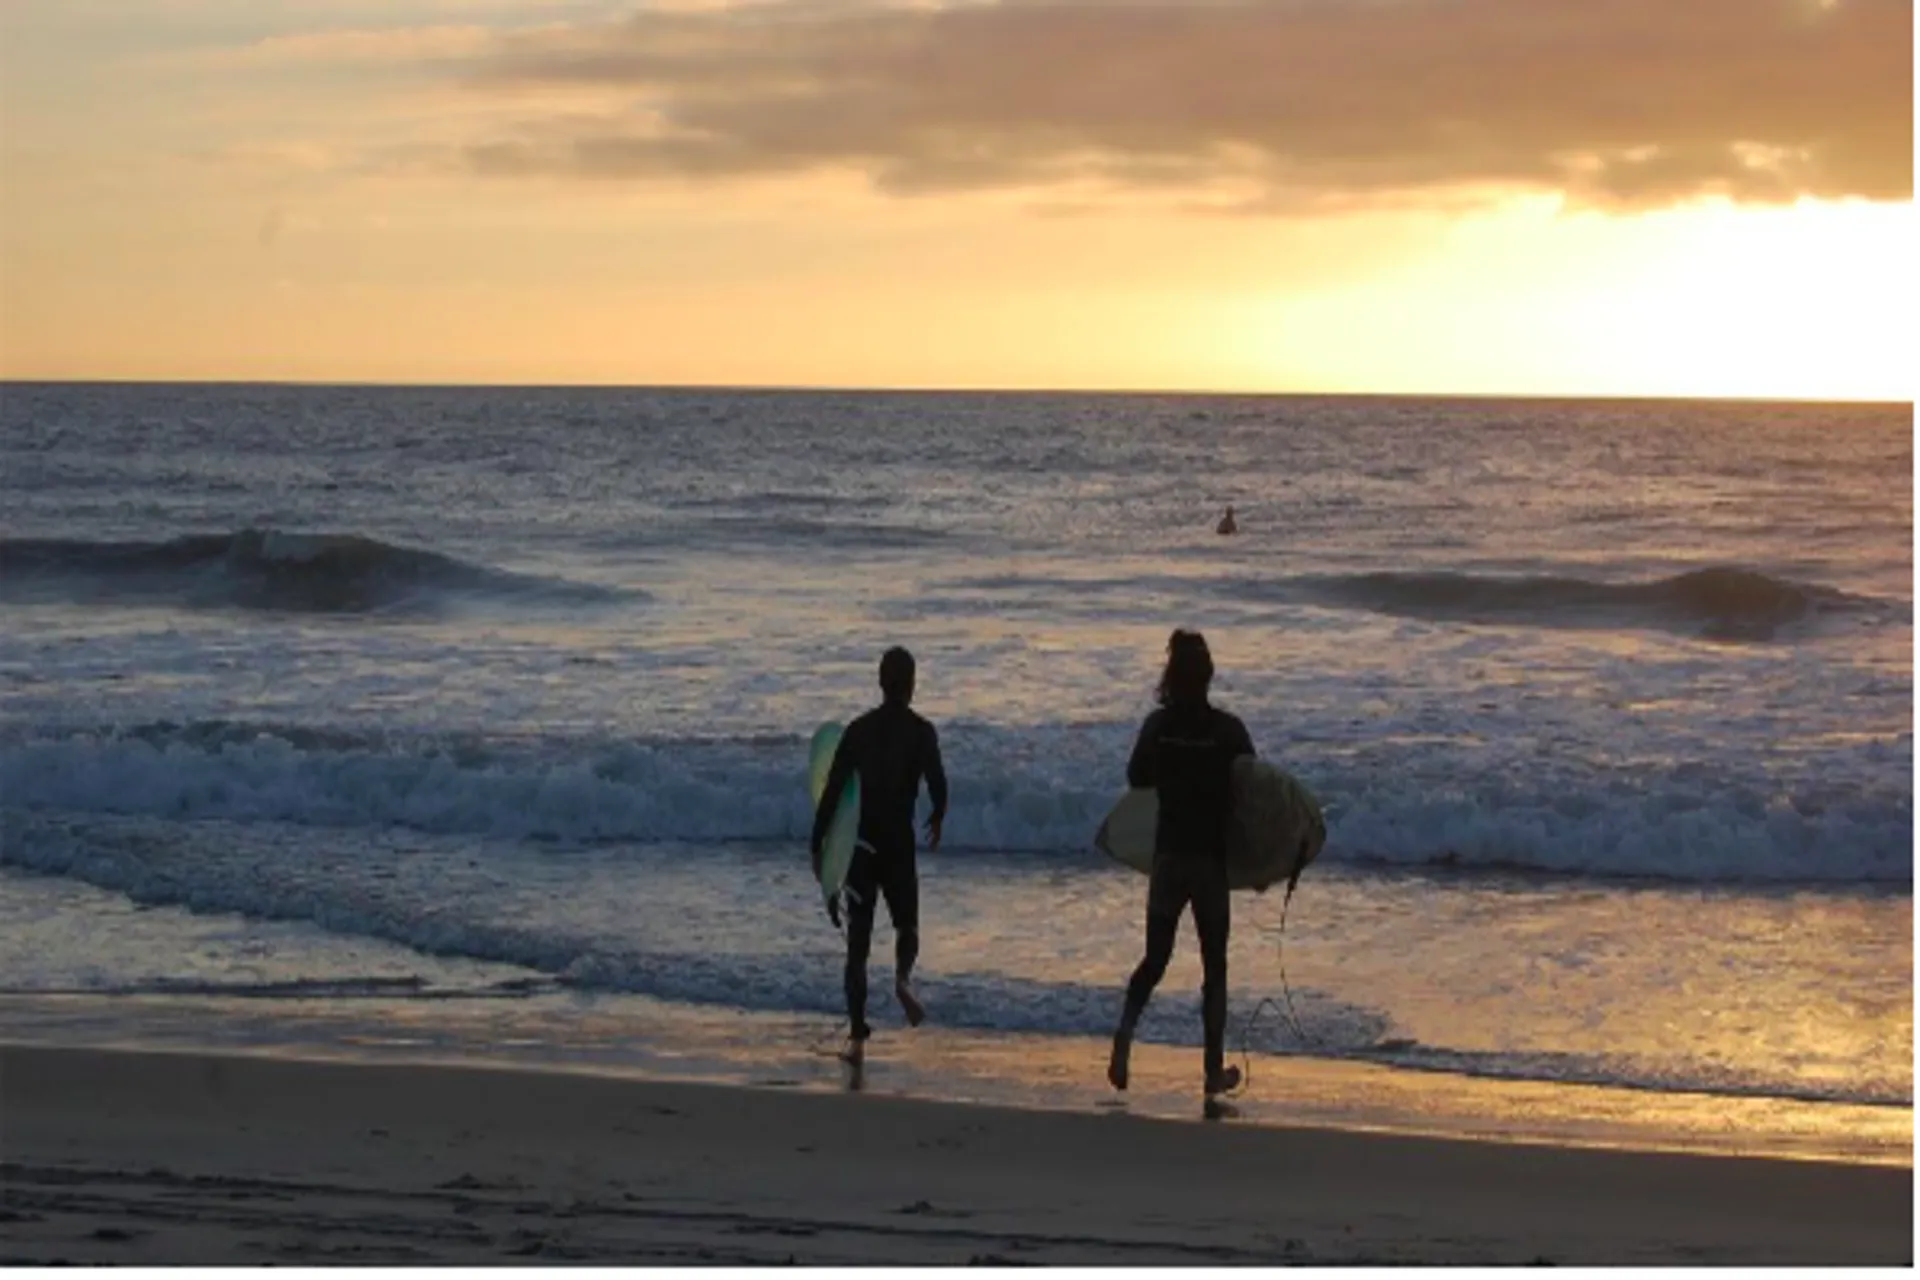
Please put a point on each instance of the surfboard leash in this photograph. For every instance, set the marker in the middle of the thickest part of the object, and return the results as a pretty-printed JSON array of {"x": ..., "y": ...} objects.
[
  {"x": 1286, "y": 988},
  {"x": 1246, "y": 1048},
  {"x": 1266, "y": 1002},
  {"x": 830, "y": 1045},
  {"x": 843, "y": 1028}
]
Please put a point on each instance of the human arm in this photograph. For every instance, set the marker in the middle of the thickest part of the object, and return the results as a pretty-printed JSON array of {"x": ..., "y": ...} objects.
[
  {"x": 1140, "y": 770},
  {"x": 936, "y": 787},
  {"x": 1239, "y": 741}
]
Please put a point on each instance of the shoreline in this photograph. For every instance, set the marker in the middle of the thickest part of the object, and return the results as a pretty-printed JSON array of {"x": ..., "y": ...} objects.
[
  {"x": 640, "y": 1038},
  {"x": 168, "y": 1157}
]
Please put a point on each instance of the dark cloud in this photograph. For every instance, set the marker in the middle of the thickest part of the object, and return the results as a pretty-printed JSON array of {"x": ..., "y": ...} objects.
[{"x": 1629, "y": 103}]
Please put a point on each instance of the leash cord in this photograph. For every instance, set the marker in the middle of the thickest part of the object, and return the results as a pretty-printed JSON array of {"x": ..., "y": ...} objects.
[
  {"x": 1266, "y": 1002},
  {"x": 843, "y": 1028}
]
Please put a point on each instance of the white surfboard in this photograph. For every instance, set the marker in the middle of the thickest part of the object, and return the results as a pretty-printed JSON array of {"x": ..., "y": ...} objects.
[
  {"x": 1276, "y": 827},
  {"x": 836, "y": 851}
]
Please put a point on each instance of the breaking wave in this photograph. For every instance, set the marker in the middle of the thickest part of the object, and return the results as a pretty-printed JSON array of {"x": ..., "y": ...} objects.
[
  {"x": 1700, "y": 825},
  {"x": 271, "y": 570},
  {"x": 1716, "y": 603}
]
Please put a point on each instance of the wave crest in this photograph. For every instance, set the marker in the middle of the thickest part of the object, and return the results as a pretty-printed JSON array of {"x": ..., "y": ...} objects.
[
  {"x": 1708, "y": 827},
  {"x": 1720, "y": 603},
  {"x": 271, "y": 570}
]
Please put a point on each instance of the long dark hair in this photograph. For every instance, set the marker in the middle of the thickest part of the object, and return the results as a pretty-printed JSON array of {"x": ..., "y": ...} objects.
[{"x": 1189, "y": 669}]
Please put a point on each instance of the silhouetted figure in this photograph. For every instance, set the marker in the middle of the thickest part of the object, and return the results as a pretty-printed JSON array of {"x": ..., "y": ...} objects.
[
  {"x": 1227, "y": 523},
  {"x": 1185, "y": 753},
  {"x": 891, "y": 748}
]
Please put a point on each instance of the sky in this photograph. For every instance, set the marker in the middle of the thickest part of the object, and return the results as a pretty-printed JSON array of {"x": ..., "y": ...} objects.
[{"x": 1508, "y": 197}]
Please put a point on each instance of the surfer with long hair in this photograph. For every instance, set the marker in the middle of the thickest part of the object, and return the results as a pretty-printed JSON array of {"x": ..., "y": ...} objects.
[
  {"x": 1185, "y": 751},
  {"x": 892, "y": 748}
]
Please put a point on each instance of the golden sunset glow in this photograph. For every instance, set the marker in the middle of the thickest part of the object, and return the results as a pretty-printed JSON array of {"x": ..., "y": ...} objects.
[{"x": 1479, "y": 196}]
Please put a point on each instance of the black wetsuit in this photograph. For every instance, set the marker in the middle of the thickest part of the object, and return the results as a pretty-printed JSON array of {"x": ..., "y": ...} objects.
[
  {"x": 892, "y": 748},
  {"x": 1185, "y": 752}
]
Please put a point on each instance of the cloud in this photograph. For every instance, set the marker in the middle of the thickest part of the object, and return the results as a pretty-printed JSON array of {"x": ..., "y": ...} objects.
[
  {"x": 406, "y": 45},
  {"x": 1617, "y": 103}
]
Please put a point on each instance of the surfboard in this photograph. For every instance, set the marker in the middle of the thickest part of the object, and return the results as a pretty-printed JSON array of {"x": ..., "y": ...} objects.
[
  {"x": 836, "y": 851},
  {"x": 1276, "y": 827}
]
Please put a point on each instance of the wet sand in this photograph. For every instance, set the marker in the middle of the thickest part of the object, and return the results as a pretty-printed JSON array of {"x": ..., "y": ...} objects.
[{"x": 136, "y": 1157}]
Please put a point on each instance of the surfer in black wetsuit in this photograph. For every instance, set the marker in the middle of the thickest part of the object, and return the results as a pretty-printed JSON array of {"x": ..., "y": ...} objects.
[
  {"x": 891, "y": 747},
  {"x": 1185, "y": 752}
]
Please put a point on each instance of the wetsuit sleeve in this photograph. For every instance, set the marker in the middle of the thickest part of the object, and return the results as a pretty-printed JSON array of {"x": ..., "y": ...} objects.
[
  {"x": 1239, "y": 741},
  {"x": 1140, "y": 771},
  {"x": 843, "y": 759},
  {"x": 936, "y": 775}
]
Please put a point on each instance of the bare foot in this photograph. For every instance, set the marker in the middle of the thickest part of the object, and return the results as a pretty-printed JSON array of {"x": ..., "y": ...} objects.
[
  {"x": 1218, "y": 1109},
  {"x": 854, "y": 1054},
  {"x": 1226, "y": 1082},
  {"x": 910, "y": 1003},
  {"x": 1117, "y": 1064}
]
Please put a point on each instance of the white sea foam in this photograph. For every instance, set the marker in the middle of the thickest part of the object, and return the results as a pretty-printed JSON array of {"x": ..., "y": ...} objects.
[{"x": 1699, "y": 825}]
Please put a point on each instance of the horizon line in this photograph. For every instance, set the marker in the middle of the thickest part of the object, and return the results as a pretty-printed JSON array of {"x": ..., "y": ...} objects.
[{"x": 774, "y": 388}]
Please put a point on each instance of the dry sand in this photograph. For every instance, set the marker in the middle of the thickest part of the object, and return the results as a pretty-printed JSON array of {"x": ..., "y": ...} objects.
[{"x": 131, "y": 1157}]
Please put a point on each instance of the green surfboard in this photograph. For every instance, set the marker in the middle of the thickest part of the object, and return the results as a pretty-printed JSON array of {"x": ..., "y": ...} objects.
[{"x": 836, "y": 851}]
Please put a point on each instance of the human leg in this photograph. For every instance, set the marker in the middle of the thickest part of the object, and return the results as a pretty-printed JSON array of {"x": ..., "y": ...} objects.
[
  {"x": 1167, "y": 894},
  {"x": 900, "y": 885},
  {"x": 862, "y": 895},
  {"x": 1213, "y": 921}
]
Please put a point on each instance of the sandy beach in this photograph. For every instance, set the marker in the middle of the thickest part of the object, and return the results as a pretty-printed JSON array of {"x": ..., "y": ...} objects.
[{"x": 160, "y": 1158}]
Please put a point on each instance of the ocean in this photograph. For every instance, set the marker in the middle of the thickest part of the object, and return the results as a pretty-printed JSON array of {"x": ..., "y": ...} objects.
[{"x": 471, "y": 723}]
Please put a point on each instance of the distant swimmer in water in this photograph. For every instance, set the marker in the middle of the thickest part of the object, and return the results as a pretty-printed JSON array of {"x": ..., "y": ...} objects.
[{"x": 1227, "y": 523}]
